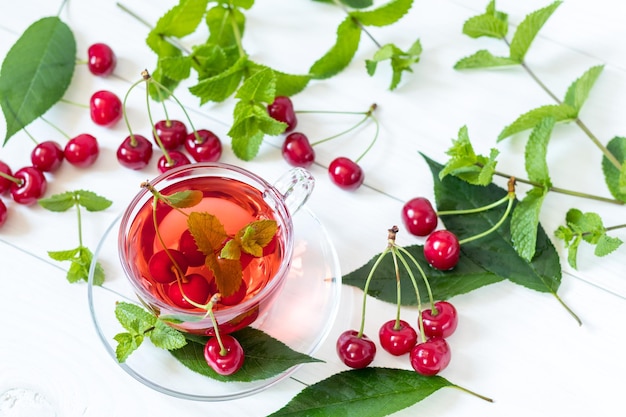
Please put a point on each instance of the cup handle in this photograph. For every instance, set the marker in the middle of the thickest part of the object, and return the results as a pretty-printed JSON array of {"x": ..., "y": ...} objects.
[{"x": 295, "y": 185}]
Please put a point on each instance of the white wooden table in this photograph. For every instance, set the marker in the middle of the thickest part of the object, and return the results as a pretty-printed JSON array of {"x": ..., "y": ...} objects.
[{"x": 514, "y": 345}]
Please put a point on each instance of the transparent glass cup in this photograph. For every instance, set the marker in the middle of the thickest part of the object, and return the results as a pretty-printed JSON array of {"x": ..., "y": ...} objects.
[{"x": 231, "y": 190}]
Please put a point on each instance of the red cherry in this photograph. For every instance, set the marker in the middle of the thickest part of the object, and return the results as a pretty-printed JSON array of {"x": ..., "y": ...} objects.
[
  {"x": 399, "y": 339},
  {"x": 172, "y": 133},
  {"x": 442, "y": 324},
  {"x": 100, "y": 59},
  {"x": 82, "y": 150},
  {"x": 4, "y": 213},
  {"x": 5, "y": 182},
  {"x": 208, "y": 148},
  {"x": 105, "y": 108},
  {"x": 47, "y": 156},
  {"x": 356, "y": 352},
  {"x": 134, "y": 152},
  {"x": 30, "y": 187},
  {"x": 281, "y": 109},
  {"x": 297, "y": 150},
  {"x": 177, "y": 159},
  {"x": 194, "y": 286},
  {"x": 225, "y": 362},
  {"x": 430, "y": 357},
  {"x": 187, "y": 245},
  {"x": 346, "y": 173},
  {"x": 162, "y": 268},
  {"x": 236, "y": 297},
  {"x": 419, "y": 217},
  {"x": 442, "y": 249}
]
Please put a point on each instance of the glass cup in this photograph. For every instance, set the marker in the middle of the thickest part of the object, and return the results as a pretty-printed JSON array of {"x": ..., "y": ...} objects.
[{"x": 236, "y": 197}]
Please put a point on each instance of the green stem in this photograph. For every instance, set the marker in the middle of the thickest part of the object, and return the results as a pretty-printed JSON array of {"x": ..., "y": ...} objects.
[
  {"x": 475, "y": 210},
  {"x": 363, "y": 120},
  {"x": 620, "y": 226},
  {"x": 10, "y": 178},
  {"x": 171, "y": 94},
  {"x": 63, "y": 3},
  {"x": 398, "y": 290},
  {"x": 511, "y": 197},
  {"x": 467, "y": 391},
  {"x": 30, "y": 136},
  {"x": 366, "y": 288},
  {"x": 423, "y": 275},
  {"x": 133, "y": 141},
  {"x": 363, "y": 28},
  {"x": 420, "y": 322},
  {"x": 233, "y": 23},
  {"x": 73, "y": 103},
  {"x": 373, "y": 140},
  {"x": 166, "y": 154},
  {"x": 80, "y": 225},
  {"x": 55, "y": 127}
]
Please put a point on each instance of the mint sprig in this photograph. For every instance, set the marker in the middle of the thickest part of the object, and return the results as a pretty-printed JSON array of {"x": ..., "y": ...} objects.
[{"x": 81, "y": 257}]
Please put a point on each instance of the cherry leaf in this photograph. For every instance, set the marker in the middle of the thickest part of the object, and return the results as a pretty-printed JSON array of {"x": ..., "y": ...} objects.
[
  {"x": 266, "y": 357},
  {"x": 36, "y": 72},
  {"x": 368, "y": 392},
  {"x": 227, "y": 272},
  {"x": 616, "y": 179}
]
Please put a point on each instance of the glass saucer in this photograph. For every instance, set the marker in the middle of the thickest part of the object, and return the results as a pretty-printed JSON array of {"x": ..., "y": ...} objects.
[{"x": 312, "y": 289}]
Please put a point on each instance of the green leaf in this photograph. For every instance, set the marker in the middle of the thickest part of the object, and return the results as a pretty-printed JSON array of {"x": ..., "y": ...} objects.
[
  {"x": 92, "y": 201},
  {"x": 221, "y": 86},
  {"x": 606, "y": 245},
  {"x": 368, "y": 392},
  {"x": 465, "y": 164},
  {"x": 63, "y": 255},
  {"x": 528, "y": 29},
  {"x": 134, "y": 318},
  {"x": 126, "y": 344},
  {"x": 226, "y": 24},
  {"x": 483, "y": 59},
  {"x": 578, "y": 91},
  {"x": 530, "y": 119},
  {"x": 259, "y": 87},
  {"x": 495, "y": 252},
  {"x": 165, "y": 337},
  {"x": 616, "y": 179},
  {"x": 492, "y": 23},
  {"x": 358, "y": 4},
  {"x": 58, "y": 202},
  {"x": 384, "y": 15},
  {"x": 341, "y": 53},
  {"x": 525, "y": 223},
  {"x": 535, "y": 155},
  {"x": 265, "y": 357},
  {"x": 181, "y": 20},
  {"x": 400, "y": 61},
  {"x": 177, "y": 68},
  {"x": 185, "y": 199},
  {"x": 36, "y": 72}
]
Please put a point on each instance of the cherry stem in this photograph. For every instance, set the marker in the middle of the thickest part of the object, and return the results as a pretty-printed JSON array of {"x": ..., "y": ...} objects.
[
  {"x": 366, "y": 288},
  {"x": 366, "y": 114},
  {"x": 73, "y": 103},
  {"x": 30, "y": 136},
  {"x": 80, "y": 224},
  {"x": 511, "y": 198},
  {"x": 477, "y": 209},
  {"x": 398, "y": 290},
  {"x": 133, "y": 141},
  {"x": 55, "y": 127},
  {"x": 166, "y": 154},
  {"x": 420, "y": 322},
  {"x": 467, "y": 391},
  {"x": 18, "y": 181}
]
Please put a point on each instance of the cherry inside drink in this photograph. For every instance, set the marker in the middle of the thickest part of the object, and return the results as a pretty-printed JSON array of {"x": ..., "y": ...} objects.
[{"x": 235, "y": 204}]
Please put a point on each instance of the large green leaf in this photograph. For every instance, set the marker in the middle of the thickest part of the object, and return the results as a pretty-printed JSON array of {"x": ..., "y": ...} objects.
[
  {"x": 265, "y": 357},
  {"x": 36, "y": 72},
  {"x": 488, "y": 260},
  {"x": 341, "y": 53},
  {"x": 616, "y": 179},
  {"x": 368, "y": 392}
]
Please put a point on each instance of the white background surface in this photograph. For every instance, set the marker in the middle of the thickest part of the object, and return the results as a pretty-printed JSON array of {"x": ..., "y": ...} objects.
[{"x": 516, "y": 346}]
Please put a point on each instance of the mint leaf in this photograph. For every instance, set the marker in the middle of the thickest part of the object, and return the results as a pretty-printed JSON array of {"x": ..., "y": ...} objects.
[
  {"x": 616, "y": 179},
  {"x": 492, "y": 23},
  {"x": 63, "y": 255},
  {"x": 606, "y": 245},
  {"x": 525, "y": 223},
  {"x": 578, "y": 91},
  {"x": 528, "y": 29},
  {"x": 535, "y": 156},
  {"x": 384, "y": 15},
  {"x": 181, "y": 20},
  {"x": 226, "y": 24},
  {"x": 341, "y": 53},
  {"x": 134, "y": 318},
  {"x": 530, "y": 119},
  {"x": 58, "y": 202},
  {"x": 483, "y": 59},
  {"x": 466, "y": 164},
  {"x": 265, "y": 357},
  {"x": 91, "y": 201},
  {"x": 221, "y": 86},
  {"x": 126, "y": 344},
  {"x": 357, "y": 4},
  {"x": 400, "y": 61},
  {"x": 185, "y": 199},
  {"x": 177, "y": 68},
  {"x": 284, "y": 84},
  {"x": 259, "y": 87},
  {"x": 36, "y": 72},
  {"x": 368, "y": 392},
  {"x": 165, "y": 337},
  {"x": 80, "y": 261}
]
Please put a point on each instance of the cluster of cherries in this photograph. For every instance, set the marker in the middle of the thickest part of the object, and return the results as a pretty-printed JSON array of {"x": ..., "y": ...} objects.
[
  {"x": 427, "y": 347},
  {"x": 298, "y": 151},
  {"x": 27, "y": 184}
]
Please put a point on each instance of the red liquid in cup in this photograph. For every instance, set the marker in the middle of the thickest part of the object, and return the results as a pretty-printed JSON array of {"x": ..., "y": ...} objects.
[{"x": 235, "y": 204}]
